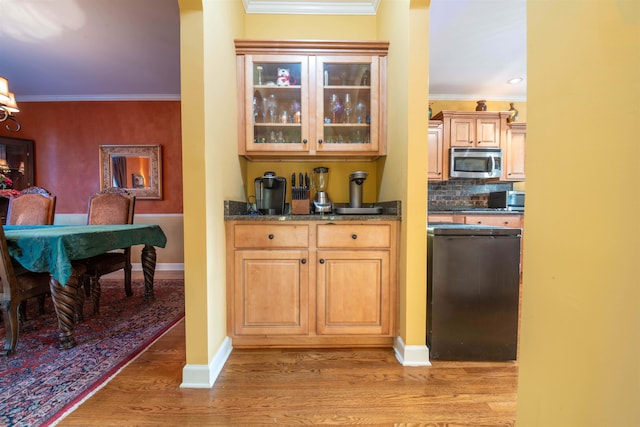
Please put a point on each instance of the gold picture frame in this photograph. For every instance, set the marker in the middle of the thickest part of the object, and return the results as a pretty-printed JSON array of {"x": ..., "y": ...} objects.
[{"x": 136, "y": 168}]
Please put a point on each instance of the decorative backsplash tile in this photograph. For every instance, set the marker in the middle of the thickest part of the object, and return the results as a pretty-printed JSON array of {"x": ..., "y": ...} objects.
[{"x": 462, "y": 193}]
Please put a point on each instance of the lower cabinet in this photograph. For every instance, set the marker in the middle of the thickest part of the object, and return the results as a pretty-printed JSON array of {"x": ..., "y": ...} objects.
[
  {"x": 513, "y": 221},
  {"x": 271, "y": 292},
  {"x": 337, "y": 290}
]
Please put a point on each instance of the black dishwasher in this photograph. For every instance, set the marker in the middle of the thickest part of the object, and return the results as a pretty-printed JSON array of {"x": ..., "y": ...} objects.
[{"x": 473, "y": 274}]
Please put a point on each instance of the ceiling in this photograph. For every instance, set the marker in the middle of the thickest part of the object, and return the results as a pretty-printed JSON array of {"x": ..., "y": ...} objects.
[{"x": 130, "y": 49}]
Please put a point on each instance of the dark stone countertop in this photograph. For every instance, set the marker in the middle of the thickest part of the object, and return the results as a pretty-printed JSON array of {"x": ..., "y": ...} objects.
[
  {"x": 471, "y": 211},
  {"x": 237, "y": 211}
]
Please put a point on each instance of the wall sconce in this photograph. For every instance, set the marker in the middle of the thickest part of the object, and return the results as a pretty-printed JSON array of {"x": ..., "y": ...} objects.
[{"x": 8, "y": 106}]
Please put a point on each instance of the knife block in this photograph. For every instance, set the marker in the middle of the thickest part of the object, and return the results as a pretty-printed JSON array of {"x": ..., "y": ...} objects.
[{"x": 301, "y": 206}]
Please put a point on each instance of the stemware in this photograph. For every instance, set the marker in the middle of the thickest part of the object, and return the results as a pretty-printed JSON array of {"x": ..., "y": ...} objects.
[
  {"x": 264, "y": 109},
  {"x": 272, "y": 105},
  {"x": 361, "y": 112},
  {"x": 348, "y": 107},
  {"x": 336, "y": 108}
]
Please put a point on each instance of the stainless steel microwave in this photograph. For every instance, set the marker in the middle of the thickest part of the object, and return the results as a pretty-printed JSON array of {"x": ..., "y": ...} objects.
[{"x": 480, "y": 163}]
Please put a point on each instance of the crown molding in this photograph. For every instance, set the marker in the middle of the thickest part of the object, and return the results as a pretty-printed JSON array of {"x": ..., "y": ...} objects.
[
  {"x": 99, "y": 97},
  {"x": 294, "y": 7}
]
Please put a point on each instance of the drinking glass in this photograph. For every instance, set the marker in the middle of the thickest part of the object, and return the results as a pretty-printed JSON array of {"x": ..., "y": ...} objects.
[{"x": 272, "y": 105}]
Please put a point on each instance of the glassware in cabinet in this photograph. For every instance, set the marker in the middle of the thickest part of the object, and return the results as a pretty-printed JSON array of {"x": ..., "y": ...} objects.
[
  {"x": 277, "y": 90},
  {"x": 346, "y": 107}
]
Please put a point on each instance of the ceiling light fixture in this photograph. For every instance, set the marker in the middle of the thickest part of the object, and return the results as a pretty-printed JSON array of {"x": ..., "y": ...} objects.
[
  {"x": 8, "y": 106},
  {"x": 515, "y": 80}
]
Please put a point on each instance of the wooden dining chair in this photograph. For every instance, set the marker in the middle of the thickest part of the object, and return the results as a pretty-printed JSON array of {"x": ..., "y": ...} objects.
[
  {"x": 110, "y": 206},
  {"x": 18, "y": 285},
  {"x": 33, "y": 206}
]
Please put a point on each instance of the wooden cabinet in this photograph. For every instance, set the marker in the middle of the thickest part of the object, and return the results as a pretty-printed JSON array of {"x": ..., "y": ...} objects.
[
  {"x": 17, "y": 165},
  {"x": 502, "y": 220},
  {"x": 441, "y": 218},
  {"x": 513, "y": 152},
  {"x": 514, "y": 221},
  {"x": 311, "y": 98},
  {"x": 436, "y": 151},
  {"x": 311, "y": 283},
  {"x": 271, "y": 292},
  {"x": 354, "y": 279},
  {"x": 473, "y": 128},
  {"x": 271, "y": 279}
]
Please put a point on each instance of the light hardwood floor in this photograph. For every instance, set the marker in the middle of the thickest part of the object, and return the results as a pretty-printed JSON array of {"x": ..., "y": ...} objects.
[{"x": 292, "y": 387}]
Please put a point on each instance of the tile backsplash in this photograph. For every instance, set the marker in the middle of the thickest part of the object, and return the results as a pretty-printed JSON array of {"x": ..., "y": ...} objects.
[{"x": 462, "y": 193}]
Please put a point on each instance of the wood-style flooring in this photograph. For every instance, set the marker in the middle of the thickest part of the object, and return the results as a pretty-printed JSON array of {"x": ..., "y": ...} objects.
[{"x": 296, "y": 387}]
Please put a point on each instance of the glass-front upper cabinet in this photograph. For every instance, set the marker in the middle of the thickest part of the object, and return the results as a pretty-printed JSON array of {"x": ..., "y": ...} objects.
[
  {"x": 277, "y": 103},
  {"x": 303, "y": 98},
  {"x": 348, "y": 99}
]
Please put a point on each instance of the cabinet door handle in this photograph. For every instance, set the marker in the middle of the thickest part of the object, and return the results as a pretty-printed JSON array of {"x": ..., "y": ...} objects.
[
  {"x": 320, "y": 141},
  {"x": 354, "y": 236},
  {"x": 321, "y": 260},
  {"x": 303, "y": 260},
  {"x": 471, "y": 142},
  {"x": 270, "y": 236},
  {"x": 304, "y": 141}
]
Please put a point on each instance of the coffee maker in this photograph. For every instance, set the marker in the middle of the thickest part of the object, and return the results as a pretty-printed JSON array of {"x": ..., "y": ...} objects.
[
  {"x": 321, "y": 203},
  {"x": 271, "y": 191},
  {"x": 356, "y": 179}
]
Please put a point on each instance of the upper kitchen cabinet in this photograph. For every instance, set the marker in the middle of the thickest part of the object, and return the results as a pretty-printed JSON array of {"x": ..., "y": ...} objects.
[
  {"x": 300, "y": 99},
  {"x": 514, "y": 152},
  {"x": 473, "y": 128},
  {"x": 436, "y": 151}
]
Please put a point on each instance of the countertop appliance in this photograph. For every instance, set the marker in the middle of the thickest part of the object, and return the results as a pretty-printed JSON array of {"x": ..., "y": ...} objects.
[
  {"x": 356, "y": 181},
  {"x": 271, "y": 192},
  {"x": 472, "y": 292},
  {"x": 320, "y": 180},
  {"x": 482, "y": 163},
  {"x": 509, "y": 200}
]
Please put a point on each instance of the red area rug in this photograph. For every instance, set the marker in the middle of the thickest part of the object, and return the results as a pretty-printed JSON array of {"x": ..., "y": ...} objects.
[{"x": 41, "y": 382}]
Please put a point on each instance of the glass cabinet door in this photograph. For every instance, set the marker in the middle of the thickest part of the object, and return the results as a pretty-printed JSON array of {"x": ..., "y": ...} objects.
[
  {"x": 347, "y": 103},
  {"x": 277, "y": 103}
]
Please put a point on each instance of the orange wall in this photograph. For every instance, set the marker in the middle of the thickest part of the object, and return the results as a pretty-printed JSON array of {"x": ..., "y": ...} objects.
[{"x": 67, "y": 136}]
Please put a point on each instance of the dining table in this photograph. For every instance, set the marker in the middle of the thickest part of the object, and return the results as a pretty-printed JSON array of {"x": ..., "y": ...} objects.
[{"x": 60, "y": 249}]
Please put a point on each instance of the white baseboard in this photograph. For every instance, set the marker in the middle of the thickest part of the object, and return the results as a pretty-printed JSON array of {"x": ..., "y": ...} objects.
[
  {"x": 162, "y": 266},
  {"x": 411, "y": 355},
  {"x": 204, "y": 376}
]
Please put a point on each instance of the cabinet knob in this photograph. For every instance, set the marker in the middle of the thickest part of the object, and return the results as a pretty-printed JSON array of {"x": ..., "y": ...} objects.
[
  {"x": 470, "y": 142},
  {"x": 320, "y": 141},
  {"x": 303, "y": 260},
  {"x": 354, "y": 236},
  {"x": 304, "y": 141},
  {"x": 321, "y": 261},
  {"x": 270, "y": 236},
  {"x": 479, "y": 222}
]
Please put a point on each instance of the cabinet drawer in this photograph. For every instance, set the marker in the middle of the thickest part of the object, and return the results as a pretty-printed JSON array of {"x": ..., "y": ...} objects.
[
  {"x": 271, "y": 236},
  {"x": 442, "y": 218},
  {"x": 514, "y": 221},
  {"x": 354, "y": 236}
]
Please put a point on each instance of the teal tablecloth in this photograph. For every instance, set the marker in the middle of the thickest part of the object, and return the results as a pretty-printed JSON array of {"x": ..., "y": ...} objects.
[{"x": 51, "y": 248}]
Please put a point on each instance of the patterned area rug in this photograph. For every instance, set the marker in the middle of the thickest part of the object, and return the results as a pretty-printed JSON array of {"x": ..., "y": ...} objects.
[{"x": 41, "y": 382}]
